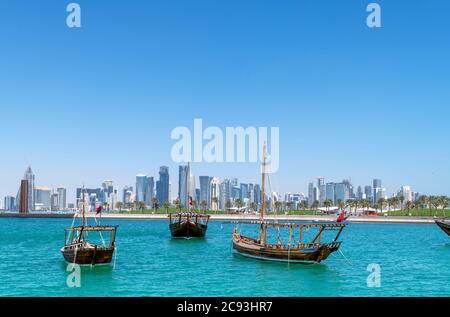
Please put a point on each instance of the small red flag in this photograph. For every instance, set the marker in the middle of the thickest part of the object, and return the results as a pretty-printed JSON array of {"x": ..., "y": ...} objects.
[
  {"x": 99, "y": 209},
  {"x": 190, "y": 201},
  {"x": 341, "y": 217}
]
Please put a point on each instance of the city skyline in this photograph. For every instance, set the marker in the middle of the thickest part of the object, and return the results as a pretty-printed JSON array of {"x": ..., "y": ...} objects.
[
  {"x": 144, "y": 190},
  {"x": 349, "y": 100}
]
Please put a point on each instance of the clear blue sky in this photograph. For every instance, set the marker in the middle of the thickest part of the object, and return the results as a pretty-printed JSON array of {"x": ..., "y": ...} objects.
[{"x": 84, "y": 105}]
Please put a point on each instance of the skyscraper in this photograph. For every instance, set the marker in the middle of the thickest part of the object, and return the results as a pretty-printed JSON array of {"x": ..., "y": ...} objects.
[
  {"x": 62, "y": 198},
  {"x": 162, "y": 186},
  {"x": 205, "y": 189},
  {"x": 377, "y": 190},
  {"x": 310, "y": 194},
  {"x": 126, "y": 194},
  {"x": 24, "y": 197},
  {"x": 244, "y": 192},
  {"x": 225, "y": 193},
  {"x": 43, "y": 197},
  {"x": 10, "y": 203},
  {"x": 150, "y": 191},
  {"x": 54, "y": 202},
  {"x": 215, "y": 193},
  {"x": 141, "y": 188},
  {"x": 183, "y": 171},
  {"x": 29, "y": 177}
]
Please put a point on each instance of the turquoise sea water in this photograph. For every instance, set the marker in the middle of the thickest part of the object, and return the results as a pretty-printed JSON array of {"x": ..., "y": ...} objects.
[{"x": 414, "y": 261}]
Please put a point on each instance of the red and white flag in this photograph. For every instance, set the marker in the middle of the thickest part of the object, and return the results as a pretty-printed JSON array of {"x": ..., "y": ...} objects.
[{"x": 98, "y": 210}]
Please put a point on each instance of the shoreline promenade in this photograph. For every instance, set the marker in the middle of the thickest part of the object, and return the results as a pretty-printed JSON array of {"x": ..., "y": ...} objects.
[{"x": 235, "y": 217}]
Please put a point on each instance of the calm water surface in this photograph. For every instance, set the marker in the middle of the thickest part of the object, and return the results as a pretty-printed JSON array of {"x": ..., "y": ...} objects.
[{"x": 414, "y": 260}]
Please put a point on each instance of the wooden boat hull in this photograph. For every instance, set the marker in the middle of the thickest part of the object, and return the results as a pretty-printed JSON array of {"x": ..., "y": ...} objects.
[
  {"x": 444, "y": 225},
  {"x": 249, "y": 248},
  {"x": 89, "y": 256},
  {"x": 188, "y": 229}
]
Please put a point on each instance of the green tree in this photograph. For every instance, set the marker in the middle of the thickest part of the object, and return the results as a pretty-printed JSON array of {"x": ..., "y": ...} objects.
[
  {"x": 381, "y": 204},
  {"x": 179, "y": 205},
  {"x": 327, "y": 204},
  {"x": 228, "y": 205},
  {"x": 204, "y": 205},
  {"x": 142, "y": 206},
  {"x": 155, "y": 203},
  {"x": 166, "y": 206}
]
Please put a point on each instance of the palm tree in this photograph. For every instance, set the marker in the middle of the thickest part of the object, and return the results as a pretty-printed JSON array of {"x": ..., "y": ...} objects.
[
  {"x": 289, "y": 206},
  {"x": 278, "y": 205},
  {"x": 409, "y": 205},
  {"x": 402, "y": 200},
  {"x": 228, "y": 205},
  {"x": 155, "y": 203},
  {"x": 142, "y": 206},
  {"x": 315, "y": 205},
  {"x": 179, "y": 205},
  {"x": 341, "y": 205},
  {"x": 239, "y": 203},
  {"x": 131, "y": 206},
  {"x": 253, "y": 206},
  {"x": 327, "y": 204},
  {"x": 204, "y": 205},
  {"x": 300, "y": 205},
  {"x": 445, "y": 203},
  {"x": 166, "y": 206},
  {"x": 352, "y": 203},
  {"x": 381, "y": 203},
  {"x": 119, "y": 205},
  {"x": 394, "y": 201}
]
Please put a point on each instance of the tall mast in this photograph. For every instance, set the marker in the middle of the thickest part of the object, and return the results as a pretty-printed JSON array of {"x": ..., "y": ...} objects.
[
  {"x": 263, "y": 194},
  {"x": 189, "y": 186},
  {"x": 263, "y": 226},
  {"x": 83, "y": 210}
]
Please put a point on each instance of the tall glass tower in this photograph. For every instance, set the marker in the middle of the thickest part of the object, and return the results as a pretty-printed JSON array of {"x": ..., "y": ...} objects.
[{"x": 29, "y": 176}]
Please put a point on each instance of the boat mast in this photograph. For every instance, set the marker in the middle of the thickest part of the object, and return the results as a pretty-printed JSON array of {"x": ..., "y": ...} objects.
[
  {"x": 83, "y": 224},
  {"x": 189, "y": 186},
  {"x": 263, "y": 228}
]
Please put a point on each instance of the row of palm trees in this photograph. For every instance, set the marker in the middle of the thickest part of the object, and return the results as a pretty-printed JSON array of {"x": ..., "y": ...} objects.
[{"x": 432, "y": 203}]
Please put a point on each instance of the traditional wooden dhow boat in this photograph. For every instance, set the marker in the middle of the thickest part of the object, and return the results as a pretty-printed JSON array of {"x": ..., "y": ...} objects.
[
  {"x": 313, "y": 251},
  {"x": 444, "y": 224},
  {"x": 78, "y": 249},
  {"x": 189, "y": 224}
]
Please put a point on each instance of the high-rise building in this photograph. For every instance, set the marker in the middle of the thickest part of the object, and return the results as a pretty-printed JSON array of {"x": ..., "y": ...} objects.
[
  {"x": 141, "y": 187},
  {"x": 407, "y": 193},
  {"x": 205, "y": 189},
  {"x": 24, "y": 197},
  {"x": 29, "y": 176},
  {"x": 330, "y": 193},
  {"x": 225, "y": 193},
  {"x": 62, "y": 198},
  {"x": 183, "y": 171},
  {"x": 215, "y": 193},
  {"x": 150, "y": 191},
  {"x": 54, "y": 202},
  {"x": 368, "y": 191},
  {"x": 162, "y": 186},
  {"x": 244, "y": 192},
  {"x": 257, "y": 194},
  {"x": 359, "y": 193},
  {"x": 126, "y": 194},
  {"x": 310, "y": 194},
  {"x": 10, "y": 203},
  {"x": 322, "y": 189},
  {"x": 43, "y": 198},
  {"x": 377, "y": 190}
]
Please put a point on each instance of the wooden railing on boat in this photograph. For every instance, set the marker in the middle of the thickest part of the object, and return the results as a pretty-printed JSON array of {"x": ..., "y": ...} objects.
[{"x": 188, "y": 216}]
